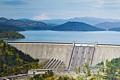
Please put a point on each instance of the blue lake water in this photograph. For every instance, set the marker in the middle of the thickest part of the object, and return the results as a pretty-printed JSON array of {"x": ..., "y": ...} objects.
[{"x": 102, "y": 37}]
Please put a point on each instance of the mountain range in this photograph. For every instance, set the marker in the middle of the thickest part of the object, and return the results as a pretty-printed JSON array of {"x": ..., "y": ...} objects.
[
  {"x": 76, "y": 26},
  {"x": 10, "y": 27},
  {"x": 73, "y": 24},
  {"x": 109, "y": 25},
  {"x": 89, "y": 20},
  {"x": 34, "y": 25}
]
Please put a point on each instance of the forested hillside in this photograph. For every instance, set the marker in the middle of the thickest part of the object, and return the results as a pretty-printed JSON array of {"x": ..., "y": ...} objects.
[
  {"x": 34, "y": 25},
  {"x": 10, "y": 35},
  {"x": 76, "y": 26},
  {"x": 4, "y": 26},
  {"x": 13, "y": 61}
]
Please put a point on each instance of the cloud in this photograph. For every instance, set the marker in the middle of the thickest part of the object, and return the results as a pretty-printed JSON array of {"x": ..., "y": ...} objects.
[
  {"x": 98, "y": 4},
  {"x": 13, "y": 2},
  {"x": 106, "y": 5},
  {"x": 41, "y": 17}
]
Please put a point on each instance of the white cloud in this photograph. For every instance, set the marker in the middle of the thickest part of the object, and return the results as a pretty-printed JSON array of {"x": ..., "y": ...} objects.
[
  {"x": 98, "y": 4},
  {"x": 41, "y": 17}
]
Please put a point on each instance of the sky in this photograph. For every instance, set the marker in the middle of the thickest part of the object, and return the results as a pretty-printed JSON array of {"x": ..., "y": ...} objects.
[{"x": 59, "y": 9}]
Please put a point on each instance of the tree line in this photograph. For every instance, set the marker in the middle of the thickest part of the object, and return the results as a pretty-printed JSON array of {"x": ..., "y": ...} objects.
[{"x": 7, "y": 34}]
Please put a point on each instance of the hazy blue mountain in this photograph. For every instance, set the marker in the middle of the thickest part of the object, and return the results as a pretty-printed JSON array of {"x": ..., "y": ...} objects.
[
  {"x": 114, "y": 29},
  {"x": 92, "y": 20},
  {"x": 54, "y": 21},
  {"x": 26, "y": 20},
  {"x": 25, "y": 25},
  {"x": 51, "y": 24},
  {"x": 76, "y": 26},
  {"x": 88, "y": 20},
  {"x": 108, "y": 25},
  {"x": 10, "y": 27}
]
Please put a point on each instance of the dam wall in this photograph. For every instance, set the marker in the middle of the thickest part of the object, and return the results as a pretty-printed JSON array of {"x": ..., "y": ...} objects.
[
  {"x": 61, "y": 51},
  {"x": 103, "y": 52}
]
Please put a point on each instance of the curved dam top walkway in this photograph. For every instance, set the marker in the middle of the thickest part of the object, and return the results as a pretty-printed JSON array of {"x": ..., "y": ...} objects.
[{"x": 71, "y": 54}]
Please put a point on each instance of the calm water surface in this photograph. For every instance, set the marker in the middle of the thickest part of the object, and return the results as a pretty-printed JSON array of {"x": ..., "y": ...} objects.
[{"x": 102, "y": 37}]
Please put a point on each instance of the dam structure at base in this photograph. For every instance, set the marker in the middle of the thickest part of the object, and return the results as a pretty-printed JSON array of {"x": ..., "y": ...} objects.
[
  {"x": 81, "y": 54},
  {"x": 72, "y": 55}
]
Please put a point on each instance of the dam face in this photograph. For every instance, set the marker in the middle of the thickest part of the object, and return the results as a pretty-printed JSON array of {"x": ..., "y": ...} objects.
[
  {"x": 61, "y": 51},
  {"x": 72, "y": 55},
  {"x": 81, "y": 54},
  {"x": 104, "y": 52}
]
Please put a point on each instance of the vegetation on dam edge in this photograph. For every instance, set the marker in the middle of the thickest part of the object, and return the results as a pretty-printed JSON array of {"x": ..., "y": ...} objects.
[
  {"x": 13, "y": 61},
  {"x": 111, "y": 72}
]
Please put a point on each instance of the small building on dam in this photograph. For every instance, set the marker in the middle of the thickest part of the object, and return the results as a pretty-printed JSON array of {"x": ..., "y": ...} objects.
[{"x": 70, "y": 54}]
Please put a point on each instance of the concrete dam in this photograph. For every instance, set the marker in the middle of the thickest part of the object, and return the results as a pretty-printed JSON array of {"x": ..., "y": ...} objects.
[{"x": 70, "y": 54}]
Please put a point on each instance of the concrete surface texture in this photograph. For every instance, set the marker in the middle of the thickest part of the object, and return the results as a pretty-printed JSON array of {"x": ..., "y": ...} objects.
[
  {"x": 104, "y": 52},
  {"x": 81, "y": 55},
  {"x": 59, "y": 51},
  {"x": 65, "y": 52}
]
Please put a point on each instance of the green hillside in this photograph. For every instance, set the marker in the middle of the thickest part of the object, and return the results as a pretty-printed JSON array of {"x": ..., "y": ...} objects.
[
  {"x": 13, "y": 61},
  {"x": 10, "y": 35}
]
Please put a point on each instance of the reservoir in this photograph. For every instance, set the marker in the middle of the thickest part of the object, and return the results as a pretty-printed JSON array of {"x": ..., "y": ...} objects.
[{"x": 101, "y": 37}]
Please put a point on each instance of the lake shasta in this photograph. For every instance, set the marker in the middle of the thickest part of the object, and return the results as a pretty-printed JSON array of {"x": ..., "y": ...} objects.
[{"x": 101, "y": 37}]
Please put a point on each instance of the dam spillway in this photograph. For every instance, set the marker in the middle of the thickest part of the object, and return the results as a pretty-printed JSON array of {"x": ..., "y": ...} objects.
[
  {"x": 72, "y": 54},
  {"x": 81, "y": 54}
]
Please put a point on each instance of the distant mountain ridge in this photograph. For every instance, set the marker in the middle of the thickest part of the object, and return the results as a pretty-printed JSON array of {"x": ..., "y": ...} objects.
[
  {"x": 26, "y": 20},
  {"x": 35, "y": 25},
  {"x": 114, "y": 29},
  {"x": 76, "y": 26},
  {"x": 9, "y": 27},
  {"x": 93, "y": 20},
  {"x": 108, "y": 25},
  {"x": 25, "y": 25},
  {"x": 88, "y": 20},
  {"x": 53, "y": 24}
]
